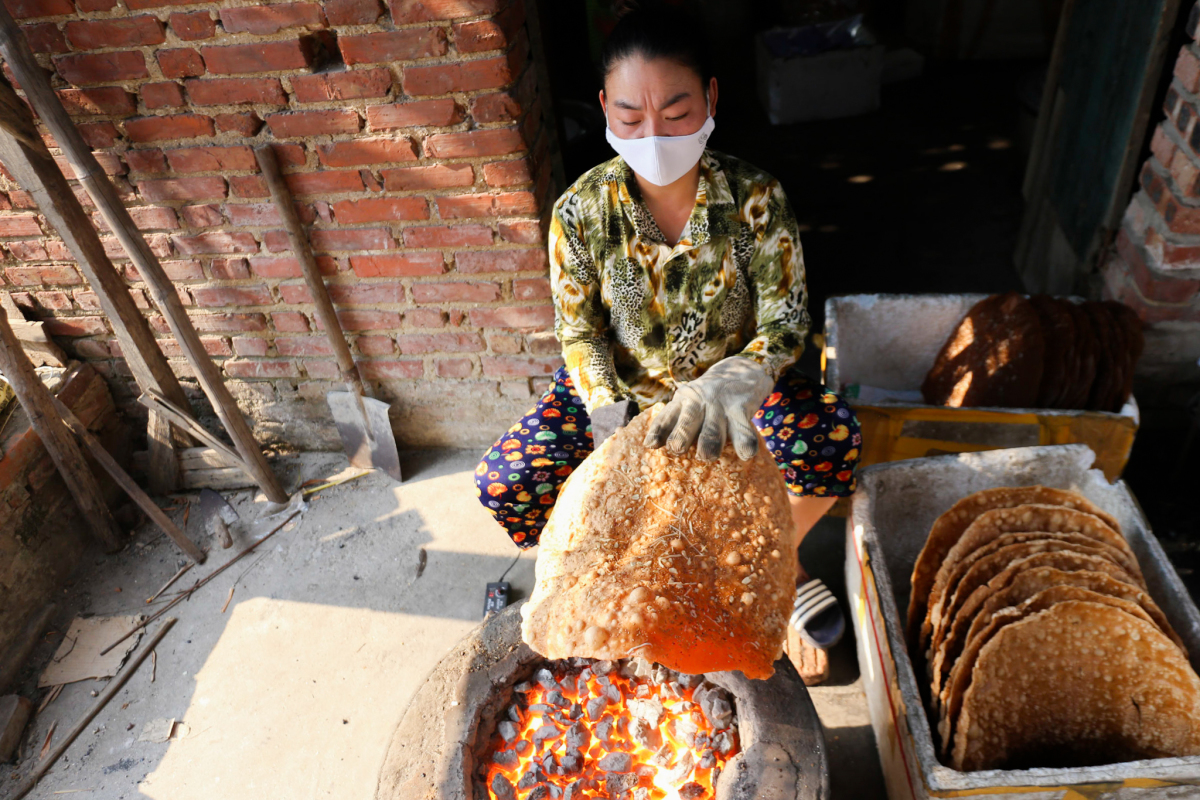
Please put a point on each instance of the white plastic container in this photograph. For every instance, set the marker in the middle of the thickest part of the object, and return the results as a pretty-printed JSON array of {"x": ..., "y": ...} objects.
[{"x": 838, "y": 83}]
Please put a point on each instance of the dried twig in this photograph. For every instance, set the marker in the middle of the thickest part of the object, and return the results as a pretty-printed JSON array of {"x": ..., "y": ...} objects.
[
  {"x": 228, "y": 599},
  {"x": 167, "y": 585}
]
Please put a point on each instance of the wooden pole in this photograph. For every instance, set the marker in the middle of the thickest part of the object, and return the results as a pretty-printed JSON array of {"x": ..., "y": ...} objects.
[
  {"x": 45, "y": 102},
  {"x": 38, "y": 403},
  {"x": 105, "y": 459},
  {"x": 34, "y": 169},
  {"x": 108, "y": 694}
]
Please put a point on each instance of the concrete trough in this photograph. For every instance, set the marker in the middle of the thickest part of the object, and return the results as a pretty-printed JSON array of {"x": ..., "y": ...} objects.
[{"x": 889, "y": 519}]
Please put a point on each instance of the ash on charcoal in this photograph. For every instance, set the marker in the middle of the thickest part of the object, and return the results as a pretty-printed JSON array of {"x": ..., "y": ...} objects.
[
  {"x": 644, "y": 734},
  {"x": 707, "y": 761},
  {"x": 578, "y": 737},
  {"x": 664, "y": 756},
  {"x": 604, "y": 730},
  {"x": 724, "y": 742},
  {"x": 614, "y": 693},
  {"x": 540, "y": 792},
  {"x": 718, "y": 711},
  {"x": 575, "y": 790},
  {"x": 576, "y": 711},
  {"x": 506, "y": 758},
  {"x": 532, "y": 777},
  {"x": 523, "y": 747},
  {"x": 596, "y": 706},
  {"x": 572, "y": 762},
  {"x": 540, "y": 708},
  {"x": 643, "y": 691},
  {"x": 690, "y": 791},
  {"x": 502, "y": 789},
  {"x": 641, "y": 793},
  {"x": 544, "y": 734},
  {"x": 545, "y": 678},
  {"x": 514, "y": 714},
  {"x": 556, "y": 699},
  {"x": 602, "y": 667},
  {"x": 683, "y": 768},
  {"x": 651, "y": 711},
  {"x": 507, "y": 730},
  {"x": 620, "y": 782},
  {"x": 616, "y": 762},
  {"x": 685, "y": 728},
  {"x": 690, "y": 681},
  {"x": 523, "y": 687}
]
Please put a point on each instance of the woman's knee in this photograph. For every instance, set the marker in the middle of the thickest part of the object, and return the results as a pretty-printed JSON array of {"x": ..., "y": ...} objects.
[{"x": 813, "y": 434}]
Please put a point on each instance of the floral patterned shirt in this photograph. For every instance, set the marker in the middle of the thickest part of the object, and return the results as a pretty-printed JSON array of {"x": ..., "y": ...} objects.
[{"x": 636, "y": 316}]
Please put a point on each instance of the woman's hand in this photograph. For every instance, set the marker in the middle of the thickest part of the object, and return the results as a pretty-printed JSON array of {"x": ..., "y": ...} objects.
[
  {"x": 719, "y": 401},
  {"x": 606, "y": 420}
]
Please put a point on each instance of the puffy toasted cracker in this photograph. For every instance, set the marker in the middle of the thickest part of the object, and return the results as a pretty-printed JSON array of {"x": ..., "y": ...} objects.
[
  {"x": 949, "y": 527},
  {"x": 950, "y": 699},
  {"x": 1079, "y": 683},
  {"x": 646, "y": 554}
]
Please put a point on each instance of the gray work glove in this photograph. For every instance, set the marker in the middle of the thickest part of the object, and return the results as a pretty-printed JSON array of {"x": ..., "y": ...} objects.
[
  {"x": 722, "y": 399},
  {"x": 607, "y": 419}
]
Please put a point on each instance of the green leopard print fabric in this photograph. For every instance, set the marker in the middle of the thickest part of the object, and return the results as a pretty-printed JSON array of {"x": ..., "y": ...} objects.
[{"x": 636, "y": 316}]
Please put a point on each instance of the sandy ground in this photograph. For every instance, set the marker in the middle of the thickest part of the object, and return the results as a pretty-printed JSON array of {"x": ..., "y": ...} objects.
[{"x": 294, "y": 690}]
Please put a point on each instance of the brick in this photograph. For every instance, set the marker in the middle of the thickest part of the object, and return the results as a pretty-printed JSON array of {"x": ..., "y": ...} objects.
[
  {"x": 96, "y": 5},
  {"x": 307, "y": 183},
  {"x": 54, "y": 301},
  {"x": 404, "y": 265},
  {"x": 212, "y": 346},
  {"x": 238, "y": 59},
  {"x": 350, "y": 85},
  {"x": 181, "y": 62},
  {"x": 109, "y": 162},
  {"x": 218, "y": 323},
  {"x": 521, "y": 231},
  {"x": 1185, "y": 173},
  {"x": 1193, "y": 21},
  {"x": 519, "y": 366},
  {"x": 391, "y": 370},
  {"x": 508, "y": 173},
  {"x": 1187, "y": 69},
  {"x": 100, "y": 34},
  {"x": 303, "y": 346},
  {"x": 543, "y": 344},
  {"x": 504, "y": 343},
  {"x": 383, "y": 209},
  {"x": 177, "y": 126},
  {"x": 261, "y": 369},
  {"x": 463, "y": 76},
  {"x": 83, "y": 69},
  {"x": 356, "y": 294},
  {"x": 151, "y": 161},
  {"x": 366, "y": 151},
  {"x": 215, "y": 296},
  {"x": 374, "y": 345},
  {"x": 1162, "y": 147},
  {"x": 473, "y": 144},
  {"x": 384, "y": 47},
  {"x": 176, "y": 271},
  {"x": 290, "y": 322},
  {"x": 247, "y": 186},
  {"x": 417, "y": 343},
  {"x": 19, "y": 225},
  {"x": 99, "y": 135},
  {"x": 313, "y": 123},
  {"x": 495, "y": 107},
  {"x": 229, "y": 269},
  {"x": 487, "y": 205},
  {"x": 253, "y": 214},
  {"x": 537, "y": 317},
  {"x": 1160, "y": 289},
  {"x": 45, "y": 37},
  {"x": 456, "y": 292},
  {"x": 353, "y": 239},
  {"x": 193, "y": 25},
  {"x": 267, "y": 19},
  {"x": 215, "y": 242},
  {"x": 251, "y": 345},
  {"x": 531, "y": 289},
  {"x": 479, "y": 35},
  {"x": 363, "y": 320},
  {"x": 235, "y": 91},
  {"x": 76, "y": 326},
  {"x": 202, "y": 216},
  {"x": 167, "y": 189},
  {"x": 352, "y": 12},
  {"x": 273, "y": 267},
  {"x": 452, "y": 236},
  {"x": 434, "y": 176},
  {"x": 212, "y": 159},
  {"x": 159, "y": 244},
  {"x": 408, "y": 11},
  {"x": 166, "y": 94},
  {"x": 25, "y": 9},
  {"x": 455, "y": 367},
  {"x": 431, "y": 113},
  {"x": 242, "y": 124},
  {"x": 27, "y": 251},
  {"x": 425, "y": 318},
  {"x": 146, "y": 218}
]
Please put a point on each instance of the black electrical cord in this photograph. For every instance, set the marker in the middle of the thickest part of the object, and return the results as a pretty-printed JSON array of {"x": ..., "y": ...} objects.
[{"x": 510, "y": 566}]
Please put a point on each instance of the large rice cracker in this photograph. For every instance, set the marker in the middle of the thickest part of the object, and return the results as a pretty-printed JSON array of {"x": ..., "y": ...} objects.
[
  {"x": 950, "y": 699},
  {"x": 1079, "y": 683},
  {"x": 685, "y": 562},
  {"x": 947, "y": 529},
  {"x": 949, "y": 636},
  {"x": 1027, "y": 517}
]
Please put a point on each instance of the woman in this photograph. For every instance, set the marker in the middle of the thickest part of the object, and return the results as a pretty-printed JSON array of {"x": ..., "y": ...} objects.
[{"x": 677, "y": 276}]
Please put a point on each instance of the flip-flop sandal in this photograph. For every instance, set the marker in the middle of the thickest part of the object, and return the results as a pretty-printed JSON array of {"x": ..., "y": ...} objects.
[{"x": 816, "y": 615}]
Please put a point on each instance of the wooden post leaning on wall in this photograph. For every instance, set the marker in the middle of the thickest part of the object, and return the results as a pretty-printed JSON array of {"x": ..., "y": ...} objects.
[
  {"x": 38, "y": 403},
  {"x": 26, "y": 156},
  {"x": 45, "y": 102}
]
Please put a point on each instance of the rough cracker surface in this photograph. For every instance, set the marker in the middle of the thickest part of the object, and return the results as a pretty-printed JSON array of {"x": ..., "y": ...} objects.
[
  {"x": 949, "y": 527},
  {"x": 1079, "y": 683},
  {"x": 685, "y": 562}
]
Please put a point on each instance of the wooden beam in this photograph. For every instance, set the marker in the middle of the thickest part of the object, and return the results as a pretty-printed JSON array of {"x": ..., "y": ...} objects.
[
  {"x": 45, "y": 102},
  {"x": 163, "y": 406},
  {"x": 38, "y": 403}
]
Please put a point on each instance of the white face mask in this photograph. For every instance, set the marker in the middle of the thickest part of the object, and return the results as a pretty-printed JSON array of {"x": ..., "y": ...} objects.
[{"x": 662, "y": 159}]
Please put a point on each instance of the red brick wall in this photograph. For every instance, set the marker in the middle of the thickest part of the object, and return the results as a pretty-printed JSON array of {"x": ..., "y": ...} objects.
[
  {"x": 413, "y": 140},
  {"x": 1156, "y": 264}
]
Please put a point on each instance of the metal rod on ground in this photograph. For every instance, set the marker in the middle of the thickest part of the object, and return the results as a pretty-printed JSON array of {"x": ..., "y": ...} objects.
[
  {"x": 109, "y": 692},
  {"x": 127, "y": 483},
  {"x": 362, "y": 421},
  {"x": 36, "y": 84},
  {"x": 201, "y": 582},
  {"x": 38, "y": 403}
]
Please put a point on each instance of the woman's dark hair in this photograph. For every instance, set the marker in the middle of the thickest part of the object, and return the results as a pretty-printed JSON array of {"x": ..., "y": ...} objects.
[{"x": 654, "y": 30}]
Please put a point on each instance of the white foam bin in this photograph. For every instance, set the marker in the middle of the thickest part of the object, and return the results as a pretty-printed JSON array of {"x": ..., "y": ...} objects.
[{"x": 889, "y": 519}]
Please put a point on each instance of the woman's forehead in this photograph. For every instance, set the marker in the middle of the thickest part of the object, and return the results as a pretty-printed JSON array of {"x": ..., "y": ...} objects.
[{"x": 634, "y": 81}]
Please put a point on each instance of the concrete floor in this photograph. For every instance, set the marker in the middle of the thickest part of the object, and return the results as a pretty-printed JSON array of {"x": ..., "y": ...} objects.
[{"x": 295, "y": 689}]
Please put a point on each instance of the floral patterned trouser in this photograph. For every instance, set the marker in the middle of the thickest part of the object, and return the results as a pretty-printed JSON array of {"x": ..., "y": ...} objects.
[{"x": 810, "y": 430}]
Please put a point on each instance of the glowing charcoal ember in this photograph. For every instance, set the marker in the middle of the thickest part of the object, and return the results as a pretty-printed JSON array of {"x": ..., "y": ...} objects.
[{"x": 597, "y": 730}]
